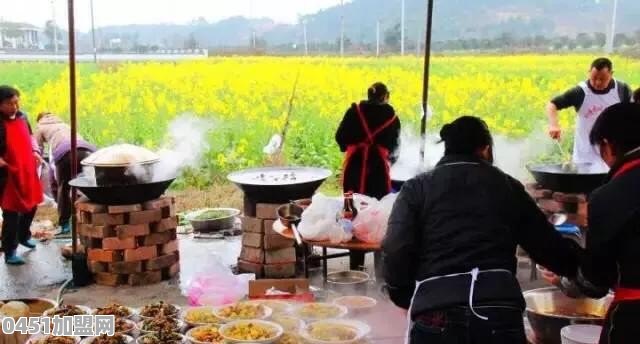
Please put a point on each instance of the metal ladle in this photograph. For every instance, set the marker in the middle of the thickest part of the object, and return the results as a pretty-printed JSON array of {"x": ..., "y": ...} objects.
[{"x": 567, "y": 164}]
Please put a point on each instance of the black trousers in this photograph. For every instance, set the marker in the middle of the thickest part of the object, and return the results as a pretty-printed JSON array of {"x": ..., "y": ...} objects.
[
  {"x": 16, "y": 228},
  {"x": 460, "y": 326},
  {"x": 63, "y": 174},
  {"x": 621, "y": 324}
]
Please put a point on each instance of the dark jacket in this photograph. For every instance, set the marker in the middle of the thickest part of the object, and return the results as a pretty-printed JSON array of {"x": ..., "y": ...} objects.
[
  {"x": 3, "y": 144},
  {"x": 613, "y": 242},
  {"x": 462, "y": 215},
  {"x": 351, "y": 132}
]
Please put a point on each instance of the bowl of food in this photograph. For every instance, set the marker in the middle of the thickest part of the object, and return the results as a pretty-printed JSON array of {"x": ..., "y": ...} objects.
[
  {"x": 251, "y": 331},
  {"x": 356, "y": 303},
  {"x": 242, "y": 311},
  {"x": 105, "y": 339},
  {"x": 67, "y": 311},
  {"x": 289, "y": 323},
  {"x": 290, "y": 338},
  {"x": 320, "y": 311},
  {"x": 200, "y": 316},
  {"x": 205, "y": 335},
  {"x": 161, "y": 324},
  {"x": 117, "y": 310},
  {"x": 161, "y": 338},
  {"x": 278, "y": 307},
  {"x": 50, "y": 339},
  {"x": 159, "y": 308},
  {"x": 213, "y": 219},
  {"x": 335, "y": 331},
  {"x": 126, "y": 326},
  {"x": 33, "y": 307}
]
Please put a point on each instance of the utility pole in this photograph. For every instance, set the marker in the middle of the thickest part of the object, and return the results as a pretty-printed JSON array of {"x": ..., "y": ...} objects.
[
  {"x": 304, "y": 33},
  {"x": 342, "y": 28},
  {"x": 93, "y": 34},
  {"x": 378, "y": 38},
  {"x": 612, "y": 34},
  {"x": 402, "y": 27}
]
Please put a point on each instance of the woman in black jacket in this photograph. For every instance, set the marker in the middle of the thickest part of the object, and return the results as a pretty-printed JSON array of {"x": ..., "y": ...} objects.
[{"x": 450, "y": 250}]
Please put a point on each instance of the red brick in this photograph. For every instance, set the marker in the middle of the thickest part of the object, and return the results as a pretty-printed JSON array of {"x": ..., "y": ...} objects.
[
  {"x": 252, "y": 225},
  {"x": 107, "y": 219},
  {"x": 91, "y": 207},
  {"x": 244, "y": 266},
  {"x": 280, "y": 270},
  {"x": 578, "y": 220},
  {"x": 282, "y": 256},
  {"x": 583, "y": 209},
  {"x": 122, "y": 209},
  {"x": 249, "y": 207},
  {"x": 161, "y": 262},
  {"x": 158, "y": 238},
  {"x": 541, "y": 194},
  {"x": 97, "y": 267},
  {"x": 159, "y": 203},
  {"x": 551, "y": 205},
  {"x": 171, "y": 272},
  {"x": 125, "y": 268},
  {"x": 109, "y": 279},
  {"x": 99, "y": 232},
  {"x": 277, "y": 241},
  {"x": 145, "y": 278},
  {"x": 169, "y": 247},
  {"x": 118, "y": 244},
  {"x": 144, "y": 217},
  {"x": 165, "y": 225},
  {"x": 83, "y": 217},
  {"x": 253, "y": 255},
  {"x": 105, "y": 256},
  {"x": 172, "y": 212},
  {"x": 569, "y": 198},
  {"x": 268, "y": 226},
  {"x": 140, "y": 253},
  {"x": 168, "y": 212},
  {"x": 126, "y": 231},
  {"x": 93, "y": 242},
  {"x": 267, "y": 211},
  {"x": 252, "y": 240}
]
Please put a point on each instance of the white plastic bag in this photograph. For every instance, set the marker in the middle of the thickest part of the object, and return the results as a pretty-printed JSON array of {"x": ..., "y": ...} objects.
[
  {"x": 319, "y": 220},
  {"x": 215, "y": 285},
  {"x": 370, "y": 225}
]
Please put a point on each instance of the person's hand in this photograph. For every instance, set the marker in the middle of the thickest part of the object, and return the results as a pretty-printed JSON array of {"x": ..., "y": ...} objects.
[
  {"x": 549, "y": 276},
  {"x": 555, "y": 132},
  {"x": 3, "y": 163},
  {"x": 38, "y": 157}
]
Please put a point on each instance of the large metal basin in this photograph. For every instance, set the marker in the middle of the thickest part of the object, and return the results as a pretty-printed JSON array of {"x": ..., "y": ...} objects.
[
  {"x": 37, "y": 306},
  {"x": 549, "y": 310}
]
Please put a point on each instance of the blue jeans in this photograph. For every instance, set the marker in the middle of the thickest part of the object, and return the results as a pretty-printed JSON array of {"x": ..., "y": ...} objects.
[{"x": 460, "y": 326}]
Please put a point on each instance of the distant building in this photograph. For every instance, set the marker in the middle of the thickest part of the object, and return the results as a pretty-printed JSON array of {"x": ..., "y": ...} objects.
[{"x": 20, "y": 36}]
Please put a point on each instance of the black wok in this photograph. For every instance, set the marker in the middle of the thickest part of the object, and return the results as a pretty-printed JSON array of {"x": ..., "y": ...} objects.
[
  {"x": 120, "y": 194},
  {"x": 583, "y": 179}
]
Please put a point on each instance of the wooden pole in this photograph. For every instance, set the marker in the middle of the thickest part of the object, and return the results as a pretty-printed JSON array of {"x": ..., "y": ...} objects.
[
  {"x": 73, "y": 118},
  {"x": 425, "y": 85}
]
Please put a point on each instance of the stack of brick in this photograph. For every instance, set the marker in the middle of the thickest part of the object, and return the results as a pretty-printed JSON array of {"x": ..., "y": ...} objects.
[
  {"x": 130, "y": 244},
  {"x": 265, "y": 252},
  {"x": 551, "y": 202}
]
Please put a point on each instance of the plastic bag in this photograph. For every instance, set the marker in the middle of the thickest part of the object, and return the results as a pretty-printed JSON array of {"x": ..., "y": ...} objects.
[
  {"x": 320, "y": 221},
  {"x": 216, "y": 285},
  {"x": 370, "y": 225}
]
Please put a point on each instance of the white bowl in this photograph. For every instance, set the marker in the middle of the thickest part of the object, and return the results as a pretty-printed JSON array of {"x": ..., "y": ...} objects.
[
  {"x": 266, "y": 314},
  {"x": 277, "y": 306},
  {"x": 277, "y": 328},
  {"x": 133, "y": 330},
  {"x": 133, "y": 315},
  {"x": 189, "y": 335},
  {"x": 181, "y": 327},
  {"x": 90, "y": 340},
  {"x": 342, "y": 301},
  {"x": 85, "y": 309},
  {"x": 35, "y": 338},
  {"x": 141, "y": 317},
  {"x": 362, "y": 330},
  {"x": 341, "y": 311},
  {"x": 300, "y": 324},
  {"x": 139, "y": 340},
  {"x": 581, "y": 334},
  {"x": 194, "y": 324}
]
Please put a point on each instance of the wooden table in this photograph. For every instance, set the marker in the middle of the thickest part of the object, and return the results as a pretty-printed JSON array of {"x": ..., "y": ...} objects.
[{"x": 352, "y": 246}]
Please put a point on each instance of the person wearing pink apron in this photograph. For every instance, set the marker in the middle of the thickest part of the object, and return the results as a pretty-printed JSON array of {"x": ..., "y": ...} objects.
[{"x": 368, "y": 135}]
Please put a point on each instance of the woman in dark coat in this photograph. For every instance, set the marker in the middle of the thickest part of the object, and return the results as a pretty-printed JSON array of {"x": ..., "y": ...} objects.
[{"x": 368, "y": 134}]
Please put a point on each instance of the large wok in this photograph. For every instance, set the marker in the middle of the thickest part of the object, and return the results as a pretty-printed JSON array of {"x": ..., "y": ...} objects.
[
  {"x": 583, "y": 179},
  {"x": 120, "y": 194},
  {"x": 269, "y": 184},
  {"x": 549, "y": 310}
]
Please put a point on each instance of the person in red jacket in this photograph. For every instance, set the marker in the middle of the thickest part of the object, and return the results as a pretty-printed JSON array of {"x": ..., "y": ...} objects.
[{"x": 20, "y": 188}]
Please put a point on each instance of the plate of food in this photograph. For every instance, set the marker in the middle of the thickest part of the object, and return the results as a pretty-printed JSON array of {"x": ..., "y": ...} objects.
[
  {"x": 50, "y": 339},
  {"x": 251, "y": 331},
  {"x": 126, "y": 326},
  {"x": 161, "y": 338},
  {"x": 154, "y": 309},
  {"x": 200, "y": 316},
  {"x": 205, "y": 335},
  {"x": 278, "y": 307},
  {"x": 356, "y": 303},
  {"x": 335, "y": 331},
  {"x": 105, "y": 339},
  {"x": 290, "y": 338},
  {"x": 117, "y": 310},
  {"x": 289, "y": 323},
  {"x": 160, "y": 324},
  {"x": 67, "y": 311},
  {"x": 242, "y": 311},
  {"x": 320, "y": 311}
]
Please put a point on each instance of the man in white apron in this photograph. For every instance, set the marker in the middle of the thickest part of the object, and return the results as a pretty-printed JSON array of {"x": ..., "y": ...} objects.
[{"x": 589, "y": 98}]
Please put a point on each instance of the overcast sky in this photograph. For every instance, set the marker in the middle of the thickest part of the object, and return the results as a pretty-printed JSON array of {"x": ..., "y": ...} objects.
[{"x": 116, "y": 12}]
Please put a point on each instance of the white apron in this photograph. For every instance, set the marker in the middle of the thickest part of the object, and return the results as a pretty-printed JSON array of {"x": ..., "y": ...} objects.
[{"x": 593, "y": 105}]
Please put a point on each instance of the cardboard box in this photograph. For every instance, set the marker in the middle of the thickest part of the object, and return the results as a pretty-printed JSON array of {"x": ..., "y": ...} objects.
[{"x": 298, "y": 288}]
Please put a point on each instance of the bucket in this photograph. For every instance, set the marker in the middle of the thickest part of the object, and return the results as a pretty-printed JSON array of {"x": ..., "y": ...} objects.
[{"x": 581, "y": 334}]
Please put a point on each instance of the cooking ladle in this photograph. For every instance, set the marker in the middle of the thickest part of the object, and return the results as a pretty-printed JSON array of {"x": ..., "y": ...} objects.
[
  {"x": 558, "y": 219},
  {"x": 567, "y": 164}
]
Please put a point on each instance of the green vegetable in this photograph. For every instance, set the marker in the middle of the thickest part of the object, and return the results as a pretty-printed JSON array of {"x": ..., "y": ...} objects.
[{"x": 212, "y": 215}]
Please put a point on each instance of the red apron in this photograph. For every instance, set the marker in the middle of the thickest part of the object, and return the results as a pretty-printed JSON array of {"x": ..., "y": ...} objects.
[{"x": 367, "y": 146}]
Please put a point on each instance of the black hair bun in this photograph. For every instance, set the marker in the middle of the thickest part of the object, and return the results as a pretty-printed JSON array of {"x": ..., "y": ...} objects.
[{"x": 445, "y": 132}]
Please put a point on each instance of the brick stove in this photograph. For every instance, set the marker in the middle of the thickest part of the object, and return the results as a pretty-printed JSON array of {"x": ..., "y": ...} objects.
[
  {"x": 130, "y": 244},
  {"x": 551, "y": 202}
]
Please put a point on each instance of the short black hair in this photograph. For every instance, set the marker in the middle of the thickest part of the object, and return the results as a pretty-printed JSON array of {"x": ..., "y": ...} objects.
[
  {"x": 602, "y": 63},
  {"x": 8, "y": 92},
  {"x": 465, "y": 136},
  {"x": 377, "y": 92},
  {"x": 619, "y": 125}
]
